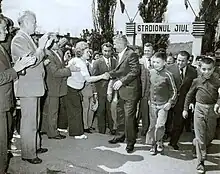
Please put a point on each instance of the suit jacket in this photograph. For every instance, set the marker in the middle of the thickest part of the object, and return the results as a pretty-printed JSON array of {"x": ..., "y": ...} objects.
[
  {"x": 6, "y": 84},
  {"x": 56, "y": 76},
  {"x": 100, "y": 67},
  {"x": 32, "y": 83},
  {"x": 184, "y": 85},
  {"x": 128, "y": 72},
  {"x": 145, "y": 81}
]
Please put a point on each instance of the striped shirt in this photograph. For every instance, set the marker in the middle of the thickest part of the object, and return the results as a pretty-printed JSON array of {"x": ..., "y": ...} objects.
[{"x": 162, "y": 87}]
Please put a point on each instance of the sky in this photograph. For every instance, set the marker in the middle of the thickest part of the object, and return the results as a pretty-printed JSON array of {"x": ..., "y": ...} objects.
[{"x": 74, "y": 15}]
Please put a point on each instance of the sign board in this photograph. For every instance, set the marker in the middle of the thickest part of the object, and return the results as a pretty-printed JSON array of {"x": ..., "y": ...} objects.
[{"x": 164, "y": 28}]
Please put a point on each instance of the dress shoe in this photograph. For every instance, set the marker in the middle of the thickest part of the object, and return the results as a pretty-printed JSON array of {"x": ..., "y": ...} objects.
[
  {"x": 42, "y": 150},
  {"x": 175, "y": 146},
  {"x": 58, "y": 137},
  {"x": 10, "y": 155},
  {"x": 130, "y": 148},
  {"x": 88, "y": 131},
  {"x": 33, "y": 161},
  {"x": 117, "y": 140},
  {"x": 42, "y": 133},
  {"x": 92, "y": 128}
]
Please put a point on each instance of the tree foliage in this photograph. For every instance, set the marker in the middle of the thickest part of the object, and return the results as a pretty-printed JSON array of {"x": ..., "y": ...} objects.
[
  {"x": 153, "y": 11},
  {"x": 210, "y": 13}
]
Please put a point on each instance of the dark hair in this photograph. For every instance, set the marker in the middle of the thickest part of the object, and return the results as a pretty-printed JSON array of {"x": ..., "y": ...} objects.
[
  {"x": 107, "y": 44},
  {"x": 94, "y": 54},
  {"x": 161, "y": 50},
  {"x": 207, "y": 60},
  {"x": 161, "y": 55},
  {"x": 148, "y": 44},
  {"x": 185, "y": 54},
  {"x": 65, "y": 49}
]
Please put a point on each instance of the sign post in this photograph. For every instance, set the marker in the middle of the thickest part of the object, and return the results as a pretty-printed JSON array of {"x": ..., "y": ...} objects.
[
  {"x": 197, "y": 29},
  {"x": 198, "y": 33},
  {"x": 130, "y": 32}
]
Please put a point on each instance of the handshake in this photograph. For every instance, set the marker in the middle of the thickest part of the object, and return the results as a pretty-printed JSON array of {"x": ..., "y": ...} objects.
[{"x": 105, "y": 76}]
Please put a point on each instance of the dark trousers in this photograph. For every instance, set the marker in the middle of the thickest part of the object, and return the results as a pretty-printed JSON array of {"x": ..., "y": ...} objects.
[
  {"x": 62, "y": 122},
  {"x": 178, "y": 124},
  {"x": 3, "y": 141},
  {"x": 143, "y": 115},
  {"x": 104, "y": 114},
  {"x": 74, "y": 112},
  {"x": 50, "y": 115},
  {"x": 129, "y": 108},
  {"x": 168, "y": 125}
]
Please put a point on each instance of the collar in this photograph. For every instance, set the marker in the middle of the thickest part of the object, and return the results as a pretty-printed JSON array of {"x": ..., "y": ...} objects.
[
  {"x": 160, "y": 70},
  {"x": 122, "y": 53}
]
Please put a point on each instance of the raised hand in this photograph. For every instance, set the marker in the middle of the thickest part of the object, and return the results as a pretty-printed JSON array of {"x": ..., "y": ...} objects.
[
  {"x": 24, "y": 62},
  {"x": 46, "y": 40},
  {"x": 46, "y": 62}
]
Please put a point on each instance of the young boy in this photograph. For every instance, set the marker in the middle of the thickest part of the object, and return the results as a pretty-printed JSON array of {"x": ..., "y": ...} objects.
[
  {"x": 163, "y": 94},
  {"x": 205, "y": 90}
]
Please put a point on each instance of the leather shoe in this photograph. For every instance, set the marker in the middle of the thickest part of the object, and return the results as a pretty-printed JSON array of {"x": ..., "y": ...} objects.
[
  {"x": 175, "y": 146},
  {"x": 42, "y": 150},
  {"x": 130, "y": 148},
  {"x": 117, "y": 140},
  {"x": 58, "y": 137},
  {"x": 33, "y": 161},
  {"x": 88, "y": 131}
]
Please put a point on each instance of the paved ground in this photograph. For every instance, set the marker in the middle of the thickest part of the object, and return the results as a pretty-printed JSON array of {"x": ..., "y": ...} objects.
[{"x": 96, "y": 156}]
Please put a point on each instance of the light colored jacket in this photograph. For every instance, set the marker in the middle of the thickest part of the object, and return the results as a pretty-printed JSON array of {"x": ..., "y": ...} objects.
[{"x": 31, "y": 84}]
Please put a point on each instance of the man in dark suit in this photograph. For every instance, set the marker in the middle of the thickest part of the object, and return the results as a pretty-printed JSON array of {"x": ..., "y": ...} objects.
[
  {"x": 56, "y": 81},
  {"x": 100, "y": 66},
  {"x": 183, "y": 76},
  {"x": 127, "y": 75},
  {"x": 145, "y": 63},
  {"x": 7, "y": 75}
]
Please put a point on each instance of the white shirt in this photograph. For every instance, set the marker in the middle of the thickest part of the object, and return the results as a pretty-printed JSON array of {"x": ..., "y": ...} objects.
[
  {"x": 78, "y": 79},
  {"x": 145, "y": 61},
  {"x": 120, "y": 55},
  {"x": 107, "y": 61}
]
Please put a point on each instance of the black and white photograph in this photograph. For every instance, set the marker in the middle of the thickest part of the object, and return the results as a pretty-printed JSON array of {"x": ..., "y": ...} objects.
[{"x": 109, "y": 86}]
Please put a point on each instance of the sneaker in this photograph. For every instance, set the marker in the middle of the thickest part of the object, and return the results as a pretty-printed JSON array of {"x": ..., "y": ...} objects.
[
  {"x": 201, "y": 167},
  {"x": 153, "y": 150},
  {"x": 80, "y": 137},
  {"x": 160, "y": 148},
  {"x": 63, "y": 130}
]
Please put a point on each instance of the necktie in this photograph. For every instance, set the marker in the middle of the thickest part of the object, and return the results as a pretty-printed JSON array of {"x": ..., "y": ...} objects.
[
  {"x": 181, "y": 73},
  {"x": 108, "y": 64}
]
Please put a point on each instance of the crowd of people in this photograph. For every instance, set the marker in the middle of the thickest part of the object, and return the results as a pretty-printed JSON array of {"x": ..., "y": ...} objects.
[{"x": 62, "y": 88}]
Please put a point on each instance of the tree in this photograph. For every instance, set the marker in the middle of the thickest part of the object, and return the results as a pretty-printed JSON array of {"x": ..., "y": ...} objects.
[
  {"x": 209, "y": 13},
  {"x": 103, "y": 18},
  {"x": 153, "y": 11}
]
